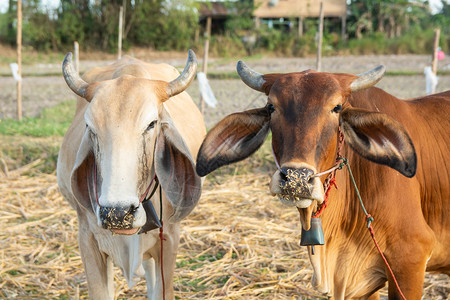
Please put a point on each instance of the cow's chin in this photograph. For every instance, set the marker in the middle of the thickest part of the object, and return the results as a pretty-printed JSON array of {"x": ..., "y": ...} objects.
[
  {"x": 304, "y": 206},
  {"x": 296, "y": 201},
  {"x": 125, "y": 231}
]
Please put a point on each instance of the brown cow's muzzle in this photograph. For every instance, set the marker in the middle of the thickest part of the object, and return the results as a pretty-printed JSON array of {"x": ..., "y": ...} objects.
[
  {"x": 298, "y": 187},
  {"x": 294, "y": 184}
]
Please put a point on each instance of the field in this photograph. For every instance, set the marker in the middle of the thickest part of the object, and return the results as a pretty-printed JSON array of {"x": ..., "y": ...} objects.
[{"x": 239, "y": 243}]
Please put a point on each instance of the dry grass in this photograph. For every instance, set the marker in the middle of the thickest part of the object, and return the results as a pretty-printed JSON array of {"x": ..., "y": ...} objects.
[{"x": 239, "y": 243}]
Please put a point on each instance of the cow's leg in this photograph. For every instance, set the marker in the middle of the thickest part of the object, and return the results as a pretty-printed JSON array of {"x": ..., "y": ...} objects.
[
  {"x": 150, "y": 276},
  {"x": 408, "y": 259},
  {"x": 170, "y": 246},
  {"x": 97, "y": 265},
  {"x": 410, "y": 281}
]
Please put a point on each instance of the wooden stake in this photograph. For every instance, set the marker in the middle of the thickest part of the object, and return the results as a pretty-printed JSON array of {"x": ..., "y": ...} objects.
[
  {"x": 257, "y": 22},
  {"x": 319, "y": 43},
  {"x": 119, "y": 50},
  {"x": 343, "y": 28},
  {"x": 124, "y": 5},
  {"x": 300, "y": 26},
  {"x": 205, "y": 59},
  {"x": 76, "y": 51},
  {"x": 434, "y": 64},
  {"x": 19, "y": 59}
]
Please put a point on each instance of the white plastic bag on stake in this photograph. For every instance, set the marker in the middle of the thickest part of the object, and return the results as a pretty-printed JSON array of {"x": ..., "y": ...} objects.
[
  {"x": 205, "y": 90},
  {"x": 15, "y": 71},
  {"x": 431, "y": 79}
]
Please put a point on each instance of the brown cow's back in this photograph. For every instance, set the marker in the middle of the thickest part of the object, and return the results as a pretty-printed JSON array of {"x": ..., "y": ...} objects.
[{"x": 427, "y": 120}]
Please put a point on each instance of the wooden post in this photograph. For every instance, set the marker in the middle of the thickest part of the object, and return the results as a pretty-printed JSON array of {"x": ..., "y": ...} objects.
[
  {"x": 119, "y": 50},
  {"x": 300, "y": 26},
  {"x": 437, "y": 32},
  {"x": 319, "y": 43},
  {"x": 19, "y": 59},
  {"x": 205, "y": 58},
  {"x": 76, "y": 50},
  {"x": 124, "y": 5},
  {"x": 343, "y": 28},
  {"x": 257, "y": 22}
]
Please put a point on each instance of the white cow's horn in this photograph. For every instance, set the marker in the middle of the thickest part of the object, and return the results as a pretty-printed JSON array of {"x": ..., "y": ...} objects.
[
  {"x": 181, "y": 83},
  {"x": 73, "y": 80},
  {"x": 250, "y": 77},
  {"x": 368, "y": 79}
]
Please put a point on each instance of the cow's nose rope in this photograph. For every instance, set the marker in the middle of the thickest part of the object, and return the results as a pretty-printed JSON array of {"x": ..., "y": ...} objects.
[
  {"x": 161, "y": 237},
  {"x": 369, "y": 220},
  {"x": 276, "y": 161}
]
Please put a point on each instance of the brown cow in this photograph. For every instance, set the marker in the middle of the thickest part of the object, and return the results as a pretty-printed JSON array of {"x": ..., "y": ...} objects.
[{"x": 385, "y": 138}]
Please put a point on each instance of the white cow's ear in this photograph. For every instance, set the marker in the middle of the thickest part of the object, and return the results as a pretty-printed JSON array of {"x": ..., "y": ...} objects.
[
  {"x": 234, "y": 138},
  {"x": 379, "y": 138},
  {"x": 175, "y": 169},
  {"x": 82, "y": 172}
]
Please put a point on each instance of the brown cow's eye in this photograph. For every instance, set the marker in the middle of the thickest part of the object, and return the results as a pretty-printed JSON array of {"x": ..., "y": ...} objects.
[
  {"x": 151, "y": 125},
  {"x": 337, "y": 108},
  {"x": 270, "y": 108}
]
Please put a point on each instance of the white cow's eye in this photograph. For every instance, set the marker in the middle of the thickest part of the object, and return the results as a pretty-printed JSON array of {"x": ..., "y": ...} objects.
[{"x": 151, "y": 125}]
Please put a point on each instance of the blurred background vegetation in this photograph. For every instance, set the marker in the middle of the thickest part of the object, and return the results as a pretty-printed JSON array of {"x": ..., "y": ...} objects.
[{"x": 373, "y": 27}]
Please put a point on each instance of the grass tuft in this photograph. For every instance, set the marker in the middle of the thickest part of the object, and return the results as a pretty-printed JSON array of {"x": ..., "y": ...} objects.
[{"x": 53, "y": 121}]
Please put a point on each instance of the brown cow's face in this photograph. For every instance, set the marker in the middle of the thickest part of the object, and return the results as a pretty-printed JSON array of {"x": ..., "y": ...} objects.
[
  {"x": 304, "y": 111},
  {"x": 304, "y": 123}
]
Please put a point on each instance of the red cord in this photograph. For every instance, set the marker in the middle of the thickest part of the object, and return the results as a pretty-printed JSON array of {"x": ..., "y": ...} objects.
[
  {"x": 161, "y": 237},
  {"x": 372, "y": 233},
  {"x": 148, "y": 188},
  {"x": 331, "y": 176},
  {"x": 368, "y": 216},
  {"x": 325, "y": 201}
]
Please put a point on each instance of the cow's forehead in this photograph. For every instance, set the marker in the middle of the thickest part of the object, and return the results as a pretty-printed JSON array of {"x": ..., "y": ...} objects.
[
  {"x": 317, "y": 88},
  {"x": 130, "y": 102}
]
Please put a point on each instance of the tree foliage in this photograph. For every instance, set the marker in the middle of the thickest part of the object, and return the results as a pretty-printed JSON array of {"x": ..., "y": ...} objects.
[
  {"x": 390, "y": 26},
  {"x": 161, "y": 24}
]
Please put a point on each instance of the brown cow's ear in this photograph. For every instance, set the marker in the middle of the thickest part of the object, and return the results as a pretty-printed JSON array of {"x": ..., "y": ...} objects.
[
  {"x": 175, "y": 169},
  {"x": 379, "y": 138},
  {"x": 234, "y": 138}
]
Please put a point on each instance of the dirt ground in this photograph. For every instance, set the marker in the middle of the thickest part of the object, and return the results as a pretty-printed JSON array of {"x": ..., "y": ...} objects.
[{"x": 232, "y": 95}]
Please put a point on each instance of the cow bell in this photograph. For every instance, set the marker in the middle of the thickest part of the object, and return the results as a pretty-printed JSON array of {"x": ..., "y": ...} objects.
[
  {"x": 152, "y": 218},
  {"x": 313, "y": 236}
]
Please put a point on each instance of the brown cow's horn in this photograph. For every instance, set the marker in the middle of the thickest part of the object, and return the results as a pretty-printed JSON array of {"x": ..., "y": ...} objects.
[
  {"x": 368, "y": 79},
  {"x": 73, "y": 80},
  {"x": 250, "y": 77},
  {"x": 181, "y": 83}
]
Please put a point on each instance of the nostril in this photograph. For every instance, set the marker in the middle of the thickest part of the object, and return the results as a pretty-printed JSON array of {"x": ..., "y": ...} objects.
[
  {"x": 283, "y": 176},
  {"x": 132, "y": 209}
]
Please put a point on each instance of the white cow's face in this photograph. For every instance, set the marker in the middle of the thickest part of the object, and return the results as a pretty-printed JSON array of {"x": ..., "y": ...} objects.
[
  {"x": 129, "y": 138},
  {"x": 122, "y": 128}
]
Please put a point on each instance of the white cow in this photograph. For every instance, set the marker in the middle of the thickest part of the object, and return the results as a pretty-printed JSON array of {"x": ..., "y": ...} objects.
[{"x": 133, "y": 125}]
